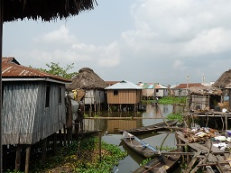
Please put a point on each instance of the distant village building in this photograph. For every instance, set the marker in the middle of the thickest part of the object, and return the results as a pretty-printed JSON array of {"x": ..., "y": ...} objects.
[
  {"x": 181, "y": 90},
  {"x": 161, "y": 91},
  {"x": 204, "y": 98},
  {"x": 148, "y": 90},
  {"x": 33, "y": 103},
  {"x": 110, "y": 83},
  {"x": 152, "y": 90},
  {"x": 124, "y": 93},
  {"x": 93, "y": 86},
  {"x": 224, "y": 83}
]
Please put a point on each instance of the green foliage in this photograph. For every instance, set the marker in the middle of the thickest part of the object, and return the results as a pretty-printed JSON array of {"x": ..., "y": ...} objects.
[
  {"x": 148, "y": 101},
  {"x": 9, "y": 171},
  {"x": 82, "y": 157},
  {"x": 56, "y": 69},
  {"x": 176, "y": 116},
  {"x": 145, "y": 161},
  {"x": 172, "y": 100}
]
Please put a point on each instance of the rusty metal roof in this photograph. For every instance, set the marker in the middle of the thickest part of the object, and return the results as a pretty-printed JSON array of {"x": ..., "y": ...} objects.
[
  {"x": 189, "y": 85},
  {"x": 12, "y": 69}
]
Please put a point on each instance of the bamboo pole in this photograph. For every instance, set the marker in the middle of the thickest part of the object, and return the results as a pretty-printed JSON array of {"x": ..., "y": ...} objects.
[
  {"x": 27, "y": 160},
  {"x": 18, "y": 158}
]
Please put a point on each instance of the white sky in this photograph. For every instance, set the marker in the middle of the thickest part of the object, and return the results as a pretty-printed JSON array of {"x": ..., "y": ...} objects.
[{"x": 137, "y": 40}]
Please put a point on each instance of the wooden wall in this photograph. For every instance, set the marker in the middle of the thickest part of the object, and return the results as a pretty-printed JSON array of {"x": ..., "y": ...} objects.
[
  {"x": 199, "y": 102},
  {"x": 94, "y": 96},
  {"x": 25, "y": 119},
  {"x": 124, "y": 97}
]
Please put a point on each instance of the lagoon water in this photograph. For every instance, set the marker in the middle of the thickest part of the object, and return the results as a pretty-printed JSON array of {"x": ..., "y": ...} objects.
[{"x": 111, "y": 135}]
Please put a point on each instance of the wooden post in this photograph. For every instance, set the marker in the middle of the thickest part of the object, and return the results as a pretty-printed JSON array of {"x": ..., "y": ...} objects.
[
  {"x": 54, "y": 142},
  {"x": 64, "y": 136},
  {"x": 60, "y": 137},
  {"x": 226, "y": 121},
  {"x": 44, "y": 149},
  {"x": 18, "y": 158},
  {"x": 27, "y": 160},
  {"x": 69, "y": 134}
]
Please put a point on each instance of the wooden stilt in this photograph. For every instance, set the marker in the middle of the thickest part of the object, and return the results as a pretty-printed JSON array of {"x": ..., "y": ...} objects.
[
  {"x": 54, "y": 142},
  {"x": 95, "y": 106},
  {"x": 64, "y": 136},
  {"x": 60, "y": 137},
  {"x": 44, "y": 149},
  {"x": 18, "y": 158},
  {"x": 69, "y": 134},
  {"x": 27, "y": 160}
]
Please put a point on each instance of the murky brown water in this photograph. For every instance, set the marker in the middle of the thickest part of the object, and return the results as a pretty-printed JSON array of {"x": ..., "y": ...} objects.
[{"x": 110, "y": 128}]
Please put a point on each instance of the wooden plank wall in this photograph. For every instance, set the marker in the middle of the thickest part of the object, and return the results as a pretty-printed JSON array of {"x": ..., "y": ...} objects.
[
  {"x": 199, "y": 101},
  {"x": 94, "y": 96},
  {"x": 123, "y": 97},
  {"x": 26, "y": 120}
]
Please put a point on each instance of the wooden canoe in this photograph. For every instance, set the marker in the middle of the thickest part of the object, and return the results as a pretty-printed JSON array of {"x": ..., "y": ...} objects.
[
  {"x": 159, "y": 164},
  {"x": 138, "y": 145},
  {"x": 154, "y": 127}
]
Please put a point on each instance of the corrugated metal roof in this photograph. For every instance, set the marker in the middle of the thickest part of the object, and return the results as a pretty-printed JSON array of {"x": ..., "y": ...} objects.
[
  {"x": 159, "y": 86},
  {"x": 189, "y": 85},
  {"x": 12, "y": 69},
  {"x": 124, "y": 85},
  {"x": 146, "y": 85}
]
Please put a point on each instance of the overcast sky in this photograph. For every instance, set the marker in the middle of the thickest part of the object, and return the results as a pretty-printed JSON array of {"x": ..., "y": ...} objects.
[{"x": 136, "y": 40}]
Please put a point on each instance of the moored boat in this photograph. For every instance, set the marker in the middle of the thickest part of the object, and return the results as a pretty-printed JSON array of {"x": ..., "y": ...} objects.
[
  {"x": 138, "y": 145},
  {"x": 159, "y": 164},
  {"x": 154, "y": 127}
]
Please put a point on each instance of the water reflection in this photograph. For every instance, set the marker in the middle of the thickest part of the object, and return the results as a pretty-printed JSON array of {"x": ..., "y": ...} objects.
[
  {"x": 110, "y": 128},
  {"x": 132, "y": 161}
]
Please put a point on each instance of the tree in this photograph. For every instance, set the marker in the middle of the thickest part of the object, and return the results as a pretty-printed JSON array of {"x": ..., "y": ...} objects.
[{"x": 56, "y": 69}]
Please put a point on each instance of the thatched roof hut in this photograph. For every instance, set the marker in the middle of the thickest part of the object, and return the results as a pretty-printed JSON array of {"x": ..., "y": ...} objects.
[
  {"x": 224, "y": 81},
  {"x": 86, "y": 79},
  {"x": 45, "y": 9}
]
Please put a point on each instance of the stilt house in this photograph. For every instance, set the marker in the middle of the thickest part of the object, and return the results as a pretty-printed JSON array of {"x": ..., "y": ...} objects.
[
  {"x": 93, "y": 86},
  {"x": 147, "y": 90},
  {"x": 204, "y": 98},
  {"x": 124, "y": 93},
  {"x": 181, "y": 90},
  {"x": 33, "y": 103},
  {"x": 224, "y": 83},
  {"x": 161, "y": 91}
]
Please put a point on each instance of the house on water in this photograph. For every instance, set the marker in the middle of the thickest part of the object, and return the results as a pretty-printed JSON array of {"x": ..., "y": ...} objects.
[
  {"x": 93, "y": 86},
  {"x": 123, "y": 94},
  {"x": 148, "y": 90},
  {"x": 224, "y": 83},
  {"x": 161, "y": 90},
  {"x": 204, "y": 98},
  {"x": 182, "y": 89},
  {"x": 33, "y": 105}
]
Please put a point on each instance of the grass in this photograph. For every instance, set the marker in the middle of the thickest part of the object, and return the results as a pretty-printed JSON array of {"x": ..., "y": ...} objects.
[
  {"x": 148, "y": 101},
  {"x": 176, "y": 116},
  {"x": 172, "y": 100},
  {"x": 82, "y": 157}
]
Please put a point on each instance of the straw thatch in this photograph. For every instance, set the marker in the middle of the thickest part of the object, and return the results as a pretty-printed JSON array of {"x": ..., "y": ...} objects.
[
  {"x": 224, "y": 81},
  {"x": 86, "y": 79},
  {"x": 205, "y": 90},
  {"x": 45, "y": 9}
]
